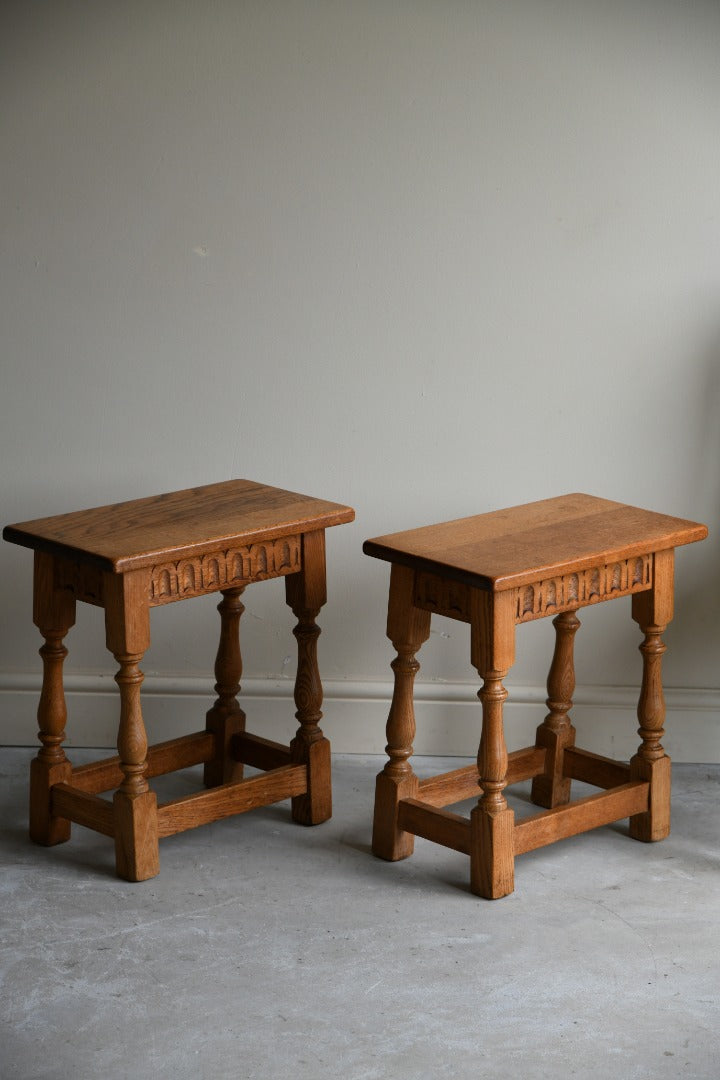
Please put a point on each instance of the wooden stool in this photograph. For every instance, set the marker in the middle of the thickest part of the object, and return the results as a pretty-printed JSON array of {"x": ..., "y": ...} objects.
[
  {"x": 495, "y": 571},
  {"x": 133, "y": 556}
]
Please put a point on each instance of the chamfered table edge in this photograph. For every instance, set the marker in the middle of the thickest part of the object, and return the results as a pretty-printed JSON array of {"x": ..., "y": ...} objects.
[
  {"x": 501, "y": 583},
  {"x": 121, "y": 565},
  {"x": 325, "y": 516}
]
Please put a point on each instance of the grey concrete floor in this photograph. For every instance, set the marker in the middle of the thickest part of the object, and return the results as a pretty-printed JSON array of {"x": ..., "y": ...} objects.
[{"x": 267, "y": 950}]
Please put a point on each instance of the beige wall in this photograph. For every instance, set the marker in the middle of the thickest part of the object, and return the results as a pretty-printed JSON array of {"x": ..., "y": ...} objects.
[{"x": 426, "y": 258}]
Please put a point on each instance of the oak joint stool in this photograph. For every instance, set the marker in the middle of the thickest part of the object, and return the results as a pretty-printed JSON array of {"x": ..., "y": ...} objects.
[
  {"x": 496, "y": 571},
  {"x": 128, "y": 558}
]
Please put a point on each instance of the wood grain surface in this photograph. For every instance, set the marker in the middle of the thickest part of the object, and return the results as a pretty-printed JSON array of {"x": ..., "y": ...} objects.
[
  {"x": 130, "y": 535},
  {"x": 508, "y": 548}
]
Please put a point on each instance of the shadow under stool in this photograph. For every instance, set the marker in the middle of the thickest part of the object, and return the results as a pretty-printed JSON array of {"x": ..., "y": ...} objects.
[
  {"x": 128, "y": 558},
  {"x": 495, "y": 571}
]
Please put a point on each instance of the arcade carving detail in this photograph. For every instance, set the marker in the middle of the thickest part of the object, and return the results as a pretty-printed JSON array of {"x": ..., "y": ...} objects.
[
  {"x": 546, "y": 597},
  {"x": 584, "y": 587},
  {"x": 223, "y": 569}
]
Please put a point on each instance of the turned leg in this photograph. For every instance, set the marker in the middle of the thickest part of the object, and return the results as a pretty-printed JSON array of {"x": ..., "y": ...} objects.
[
  {"x": 407, "y": 627},
  {"x": 492, "y": 822},
  {"x": 653, "y": 611},
  {"x": 306, "y": 593},
  {"x": 226, "y": 718},
  {"x": 552, "y": 788},
  {"x": 135, "y": 805},
  {"x": 54, "y": 614},
  {"x": 127, "y": 627}
]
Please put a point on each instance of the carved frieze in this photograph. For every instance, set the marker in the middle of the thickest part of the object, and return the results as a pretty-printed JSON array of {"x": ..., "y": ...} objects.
[
  {"x": 223, "y": 569},
  {"x": 583, "y": 588}
]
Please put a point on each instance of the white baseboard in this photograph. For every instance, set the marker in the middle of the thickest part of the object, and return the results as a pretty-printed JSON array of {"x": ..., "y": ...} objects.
[{"x": 448, "y": 715}]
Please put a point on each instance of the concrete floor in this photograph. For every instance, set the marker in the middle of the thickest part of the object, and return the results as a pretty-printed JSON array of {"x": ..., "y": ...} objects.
[{"x": 265, "y": 950}]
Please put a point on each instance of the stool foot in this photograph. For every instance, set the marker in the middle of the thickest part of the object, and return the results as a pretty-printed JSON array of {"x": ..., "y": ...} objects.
[
  {"x": 315, "y": 806},
  {"x": 388, "y": 841},
  {"x": 492, "y": 861},
  {"x": 45, "y": 827},
  {"x": 551, "y": 788},
  {"x": 223, "y": 768},
  {"x": 137, "y": 854},
  {"x": 655, "y": 823}
]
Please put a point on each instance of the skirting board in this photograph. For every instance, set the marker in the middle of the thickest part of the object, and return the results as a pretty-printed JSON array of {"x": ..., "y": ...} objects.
[{"x": 448, "y": 715}]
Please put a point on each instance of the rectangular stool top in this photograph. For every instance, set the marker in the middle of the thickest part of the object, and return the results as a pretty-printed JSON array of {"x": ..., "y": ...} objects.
[
  {"x": 129, "y": 535},
  {"x": 508, "y": 548}
]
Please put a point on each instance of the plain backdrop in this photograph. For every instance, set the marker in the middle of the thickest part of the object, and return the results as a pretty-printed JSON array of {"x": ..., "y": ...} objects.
[{"x": 425, "y": 258}]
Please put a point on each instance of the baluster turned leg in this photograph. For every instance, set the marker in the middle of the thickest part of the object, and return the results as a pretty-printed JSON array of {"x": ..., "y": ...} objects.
[
  {"x": 54, "y": 615},
  {"x": 552, "y": 788},
  {"x": 652, "y": 611},
  {"x": 226, "y": 718},
  {"x": 306, "y": 593},
  {"x": 492, "y": 822},
  {"x": 127, "y": 626},
  {"x": 135, "y": 805},
  {"x": 407, "y": 627}
]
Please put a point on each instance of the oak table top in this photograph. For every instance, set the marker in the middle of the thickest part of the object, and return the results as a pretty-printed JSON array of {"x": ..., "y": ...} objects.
[
  {"x": 513, "y": 547},
  {"x": 129, "y": 535}
]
